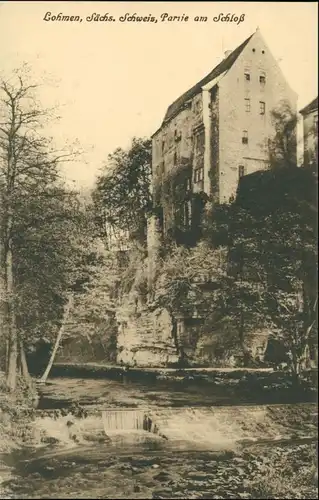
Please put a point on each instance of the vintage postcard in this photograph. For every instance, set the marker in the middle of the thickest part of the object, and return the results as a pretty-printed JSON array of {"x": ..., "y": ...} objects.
[{"x": 158, "y": 250}]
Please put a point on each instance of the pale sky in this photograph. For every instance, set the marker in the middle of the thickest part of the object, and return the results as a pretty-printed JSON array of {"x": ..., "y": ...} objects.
[{"x": 115, "y": 80}]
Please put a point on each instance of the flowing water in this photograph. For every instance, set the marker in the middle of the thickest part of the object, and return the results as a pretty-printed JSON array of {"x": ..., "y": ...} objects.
[{"x": 123, "y": 443}]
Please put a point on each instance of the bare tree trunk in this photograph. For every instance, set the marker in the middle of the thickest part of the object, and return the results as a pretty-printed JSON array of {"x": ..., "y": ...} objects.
[
  {"x": 58, "y": 339},
  {"x": 295, "y": 366},
  {"x": 3, "y": 330},
  {"x": 7, "y": 356},
  {"x": 24, "y": 365},
  {"x": 244, "y": 348},
  {"x": 12, "y": 328},
  {"x": 12, "y": 364}
]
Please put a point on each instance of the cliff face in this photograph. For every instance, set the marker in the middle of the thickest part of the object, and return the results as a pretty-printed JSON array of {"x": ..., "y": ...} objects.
[
  {"x": 144, "y": 337},
  {"x": 148, "y": 334}
]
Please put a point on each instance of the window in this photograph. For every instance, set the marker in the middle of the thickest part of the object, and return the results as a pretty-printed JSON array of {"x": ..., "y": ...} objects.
[
  {"x": 175, "y": 158},
  {"x": 199, "y": 142},
  {"x": 247, "y": 105},
  {"x": 241, "y": 171},
  {"x": 177, "y": 135},
  {"x": 163, "y": 146},
  {"x": 245, "y": 137},
  {"x": 262, "y": 78},
  {"x": 198, "y": 174},
  {"x": 262, "y": 107},
  {"x": 247, "y": 76}
]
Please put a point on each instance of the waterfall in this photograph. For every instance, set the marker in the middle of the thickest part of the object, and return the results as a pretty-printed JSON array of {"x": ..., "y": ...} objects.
[
  {"x": 210, "y": 428},
  {"x": 224, "y": 427},
  {"x": 124, "y": 420}
]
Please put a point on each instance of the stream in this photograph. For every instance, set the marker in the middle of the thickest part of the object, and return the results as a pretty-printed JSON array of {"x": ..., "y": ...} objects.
[{"x": 109, "y": 439}]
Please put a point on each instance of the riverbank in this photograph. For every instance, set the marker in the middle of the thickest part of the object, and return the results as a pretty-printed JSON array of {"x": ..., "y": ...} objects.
[
  {"x": 16, "y": 412},
  {"x": 16, "y": 433},
  {"x": 189, "y": 385}
]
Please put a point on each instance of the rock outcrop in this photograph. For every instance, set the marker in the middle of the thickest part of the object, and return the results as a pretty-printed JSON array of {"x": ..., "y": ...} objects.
[{"x": 144, "y": 337}]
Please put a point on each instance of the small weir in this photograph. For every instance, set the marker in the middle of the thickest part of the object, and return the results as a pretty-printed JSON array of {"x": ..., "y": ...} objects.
[
  {"x": 203, "y": 428},
  {"x": 126, "y": 419},
  {"x": 151, "y": 451}
]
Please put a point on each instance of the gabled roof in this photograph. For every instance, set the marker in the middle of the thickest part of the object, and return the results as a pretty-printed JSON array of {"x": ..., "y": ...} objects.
[
  {"x": 223, "y": 66},
  {"x": 312, "y": 106}
]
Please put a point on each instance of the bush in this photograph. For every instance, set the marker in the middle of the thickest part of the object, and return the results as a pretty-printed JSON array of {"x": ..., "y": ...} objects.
[{"x": 291, "y": 475}]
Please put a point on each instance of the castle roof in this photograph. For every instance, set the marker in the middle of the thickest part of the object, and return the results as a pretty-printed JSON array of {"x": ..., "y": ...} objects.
[
  {"x": 223, "y": 66},
  {"x": 312, "y": 106}
]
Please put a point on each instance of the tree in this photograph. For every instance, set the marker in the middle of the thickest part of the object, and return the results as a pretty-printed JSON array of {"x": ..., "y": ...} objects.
[
  {"x": 282, "y": 146},
  {"x": 278, "y": 236},
  {"x": 54, "y": 257},
  {"x": 92, "y": 321},
  {"x": 122, "y": 195},
  {"x": 66, "y": 314},
  {"x": 240, "y": 308},
  {"x": 186, "y": 284},
  {"x": 30, "y": 194}
]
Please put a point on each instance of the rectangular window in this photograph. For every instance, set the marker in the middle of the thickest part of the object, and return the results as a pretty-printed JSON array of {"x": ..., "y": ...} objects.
[
  {"x": 198, "y": 175},
  {"x": 262, "y": 107},
  {"x": 247, "y": 76},
  {"x": 245, "y": 137},
  {"x": 262, "y": 78},
  {"x": 247, "y": 105},
  {"x": 177, "y": 135},
  {"x": 241, "y": 171},
  {"x": 199, "y": 141},
  {"x": 162, "y": 170}
]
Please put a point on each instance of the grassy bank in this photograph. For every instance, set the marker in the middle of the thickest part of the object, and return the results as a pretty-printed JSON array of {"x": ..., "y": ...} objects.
[{"x": 15, "y": 412}]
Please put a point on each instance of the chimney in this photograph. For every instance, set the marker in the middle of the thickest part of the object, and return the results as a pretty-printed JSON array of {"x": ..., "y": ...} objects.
[{"x": 227, "y": 52}]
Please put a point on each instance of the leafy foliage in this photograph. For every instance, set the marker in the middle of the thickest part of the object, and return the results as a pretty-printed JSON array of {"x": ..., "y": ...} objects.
[
  {"x": 272, "y": 259},
  {"x": 122, "y": 195},
  {"x": 283, "y": 145},
  {"x": 43, "y": 227},
  {"x": 92, "y": 321}
]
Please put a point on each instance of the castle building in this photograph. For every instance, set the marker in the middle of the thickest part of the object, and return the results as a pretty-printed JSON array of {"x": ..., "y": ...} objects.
[{"x": 219, "y": 130}]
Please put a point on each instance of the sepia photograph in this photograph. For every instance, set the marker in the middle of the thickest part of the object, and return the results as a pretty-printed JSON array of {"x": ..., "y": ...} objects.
[{"x": 158, "y": 250}]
